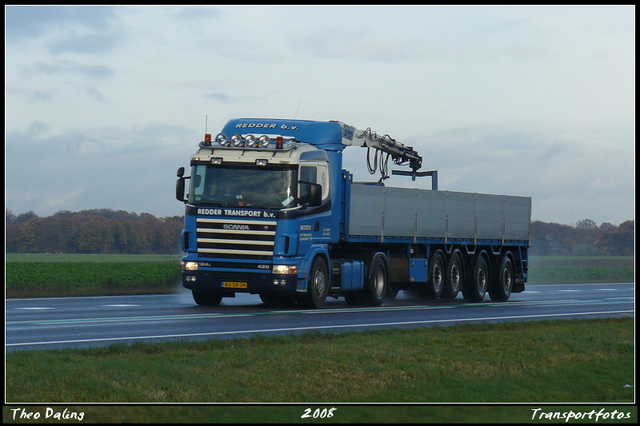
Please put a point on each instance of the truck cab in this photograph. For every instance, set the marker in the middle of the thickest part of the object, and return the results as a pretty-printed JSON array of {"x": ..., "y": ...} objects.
[{"x": 259, "y": 210}]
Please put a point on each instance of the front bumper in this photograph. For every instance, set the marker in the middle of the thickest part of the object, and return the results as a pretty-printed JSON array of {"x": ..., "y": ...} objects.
[{"x": 205, "y": 281}]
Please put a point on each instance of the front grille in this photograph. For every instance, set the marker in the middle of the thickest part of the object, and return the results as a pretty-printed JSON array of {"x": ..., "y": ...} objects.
[{"x": 236, "y": 238}]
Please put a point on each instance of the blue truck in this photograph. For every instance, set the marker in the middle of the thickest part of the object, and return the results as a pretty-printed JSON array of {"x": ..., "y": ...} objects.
[{"x": 270, "y": 211}]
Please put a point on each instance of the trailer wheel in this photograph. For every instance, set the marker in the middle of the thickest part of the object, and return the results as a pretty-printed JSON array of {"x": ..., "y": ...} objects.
[
  {"x": 454, "y": 277},
  {"x": 475, "y": 289},
  {"x": 318, "y": 286},
  {"x": 207, "y": 298},
  {"x": 377, "y": 279},
  {"x": 500, "y": 290},
  {"x": 436, "y": 278}
]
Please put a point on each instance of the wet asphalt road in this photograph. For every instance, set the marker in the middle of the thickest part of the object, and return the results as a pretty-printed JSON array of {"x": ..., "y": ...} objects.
[{"x": 47, "y": 323}]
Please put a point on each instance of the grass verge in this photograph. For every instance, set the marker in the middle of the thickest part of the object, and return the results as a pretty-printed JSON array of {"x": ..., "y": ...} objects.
[{"x": 581, "y": 361}]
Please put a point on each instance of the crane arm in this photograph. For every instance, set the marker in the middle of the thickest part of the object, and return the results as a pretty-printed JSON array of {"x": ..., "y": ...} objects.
[{"x": 399, "y": 152}]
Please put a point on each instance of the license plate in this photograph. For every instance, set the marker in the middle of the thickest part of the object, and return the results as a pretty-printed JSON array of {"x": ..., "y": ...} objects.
[{"x": 234, "y": 284}]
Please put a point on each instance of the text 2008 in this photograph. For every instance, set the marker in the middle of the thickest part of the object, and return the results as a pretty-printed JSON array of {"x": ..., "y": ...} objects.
[{"x": 318, "y": 413}]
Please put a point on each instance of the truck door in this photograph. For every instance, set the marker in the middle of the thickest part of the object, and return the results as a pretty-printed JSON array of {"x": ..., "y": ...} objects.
[{"x": 314, "y": 173}]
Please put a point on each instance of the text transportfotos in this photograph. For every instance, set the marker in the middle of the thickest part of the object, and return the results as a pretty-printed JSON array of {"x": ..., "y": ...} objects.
[{"x": 539, "y": 414}]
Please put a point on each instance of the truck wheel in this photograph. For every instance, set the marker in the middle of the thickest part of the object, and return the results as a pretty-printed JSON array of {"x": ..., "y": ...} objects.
[
  {"x": 500, "y": 290},
  {"x": 435, "y": 280},
  {"x": 377, "y": 279},
  {"x": 318, "y": 286},
  {"x": 207, "y": 298},
  {"x": 453, "y": 278},
  {"x": 475, "y": 289}
]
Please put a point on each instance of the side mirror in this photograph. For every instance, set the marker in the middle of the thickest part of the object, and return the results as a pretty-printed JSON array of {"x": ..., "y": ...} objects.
[
  {"x": 315, "y": 195},
  {"x": 180, "y": 185}
]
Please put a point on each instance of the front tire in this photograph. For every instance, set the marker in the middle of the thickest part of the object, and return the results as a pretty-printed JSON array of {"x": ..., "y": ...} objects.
[
  {"x": 207, "y": 298},
  {"x": 318, "y": 285}
]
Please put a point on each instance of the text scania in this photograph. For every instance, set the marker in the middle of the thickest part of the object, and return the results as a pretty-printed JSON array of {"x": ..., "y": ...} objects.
[{"x": 236, "y": 227}]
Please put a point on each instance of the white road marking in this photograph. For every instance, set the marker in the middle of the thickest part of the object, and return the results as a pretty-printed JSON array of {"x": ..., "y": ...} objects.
[
  {"x": 36, "y": 308},
  {"x": 324, "y": 327},
  {"x": 122, "y": 306}
]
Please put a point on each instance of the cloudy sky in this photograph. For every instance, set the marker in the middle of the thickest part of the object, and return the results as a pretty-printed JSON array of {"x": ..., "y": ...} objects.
[{"x": 103, "y": 104}]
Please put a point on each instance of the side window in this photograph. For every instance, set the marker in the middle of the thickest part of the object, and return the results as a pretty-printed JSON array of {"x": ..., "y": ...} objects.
[
  {"x": 308, "y": 174},
  {"x": 318, "y": 173},
  {"x": 197, "y": 182},
  {"x": 323, "y": 179}
]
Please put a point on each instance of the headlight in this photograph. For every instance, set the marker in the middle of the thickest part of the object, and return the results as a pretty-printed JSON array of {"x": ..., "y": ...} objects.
[
  {"x": 236, "y": 140},
  {"x": 221, "y": 139},
  {"x": 284, "y": 269},
  {"x": 264, "y": 141},
  {"x": 189, "y": 266},
  {"x": 250, "y": 141}
]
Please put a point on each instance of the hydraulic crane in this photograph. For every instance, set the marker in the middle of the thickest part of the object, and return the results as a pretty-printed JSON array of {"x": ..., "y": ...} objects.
[{"x": 399, "y": 153}]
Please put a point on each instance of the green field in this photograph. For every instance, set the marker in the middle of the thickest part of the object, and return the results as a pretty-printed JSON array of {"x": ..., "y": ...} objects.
[
  {"x": 581, "y": 269},
  {"x": 46, "y": 275}
]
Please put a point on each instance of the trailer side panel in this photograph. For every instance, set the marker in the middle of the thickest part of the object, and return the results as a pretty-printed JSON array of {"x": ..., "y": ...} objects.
[{"x": 384, "y": 212}]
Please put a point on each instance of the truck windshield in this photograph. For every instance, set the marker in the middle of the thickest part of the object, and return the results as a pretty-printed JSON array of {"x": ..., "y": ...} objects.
[{"x": 257, "y": 187}]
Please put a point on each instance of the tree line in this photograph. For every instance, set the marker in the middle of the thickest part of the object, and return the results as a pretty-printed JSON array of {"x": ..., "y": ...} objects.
[
  {"x": 98, "y": 231},
  {"x": 104, "y": 231},
  {"x": 585, "y": 238}
]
